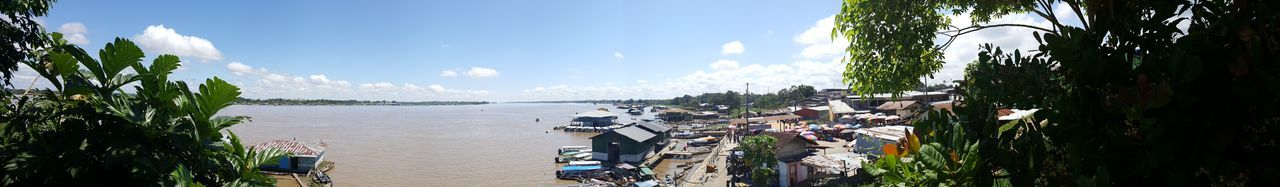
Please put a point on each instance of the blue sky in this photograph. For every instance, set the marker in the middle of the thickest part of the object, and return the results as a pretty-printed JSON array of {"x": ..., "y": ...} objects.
[{"x": 480, "y": 50}]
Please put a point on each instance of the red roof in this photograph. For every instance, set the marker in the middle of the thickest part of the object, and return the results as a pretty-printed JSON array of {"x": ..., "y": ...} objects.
[
  {"x": 293, "y": 147},
  {"x": 784, "y": 137}
]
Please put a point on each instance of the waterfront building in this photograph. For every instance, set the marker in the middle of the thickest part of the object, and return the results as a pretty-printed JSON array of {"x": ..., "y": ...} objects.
[
  {"x": 303, "y": 157},
  {"x": 625, "y": 145},
  {"x": 675, "y": 114},
  {"x": 594, "y": 118}
]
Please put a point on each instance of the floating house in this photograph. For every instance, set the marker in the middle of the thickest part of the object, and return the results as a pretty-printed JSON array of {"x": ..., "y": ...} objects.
[
  {"x": 594, "y": 118},
  {"x": 302, "y": 157},
  {"x": 625, "y": 145},
  {"x": 675, "y": 114}
]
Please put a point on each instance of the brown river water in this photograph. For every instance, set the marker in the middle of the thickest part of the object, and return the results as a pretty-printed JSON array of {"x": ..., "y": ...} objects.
[{"x": 470, "y": 145}]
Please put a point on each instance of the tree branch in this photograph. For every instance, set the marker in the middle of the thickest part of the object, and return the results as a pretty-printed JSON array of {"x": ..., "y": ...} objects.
[
  {"x": 1075, "y": 7},
  {"x": 975, "y": 28}
]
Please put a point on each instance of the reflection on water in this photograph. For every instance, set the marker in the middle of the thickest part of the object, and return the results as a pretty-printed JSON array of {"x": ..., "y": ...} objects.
[{"x": 474, "y": 145}]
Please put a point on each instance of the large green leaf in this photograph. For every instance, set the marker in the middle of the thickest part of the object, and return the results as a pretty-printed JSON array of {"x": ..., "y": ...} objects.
[
  {"x": 931, "y": 155},
  {"x": 165, "y": 64},
  {"x": 117, "y": 56},
  {"x": 216, "y": 94}
]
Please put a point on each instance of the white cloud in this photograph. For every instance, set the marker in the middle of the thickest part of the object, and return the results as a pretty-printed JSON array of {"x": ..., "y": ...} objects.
[
  {"x": 265, "y": 84},
  {"x": 321, "y": 79},
  {"x": 724, "y": 65},
  {"x": 437, "y": 88},
  {"x": 618, "y": 55},
  {"x": 448, "y": 73},
  {"x": 727, "y": 75},
  {"x": 158, "y": 39},
  {"x": 74, "y": 33},
  {"x": 479, "y": 72},
  {"x": 239, "y": 68},
  {"x": 769, "y": 32},
  {"x": 818, "y": 41},
  {"x": 734, "y": 47},
  {"x": 964, "y": 50}
]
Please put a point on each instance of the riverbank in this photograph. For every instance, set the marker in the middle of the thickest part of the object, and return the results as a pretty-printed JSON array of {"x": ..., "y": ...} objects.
[{"x": 455, "y": 145}]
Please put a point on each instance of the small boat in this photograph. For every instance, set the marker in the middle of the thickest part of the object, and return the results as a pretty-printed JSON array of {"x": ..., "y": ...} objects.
[
  {"x": 634, "y": 111},
  {"x": 573, "y": 148},
  {"x": 585, "y": 163},
  {"x": 321, "y": 178},
  {"x": 573, "y": 172}
]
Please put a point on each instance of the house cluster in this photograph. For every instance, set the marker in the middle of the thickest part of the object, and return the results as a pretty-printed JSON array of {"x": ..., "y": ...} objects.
[{"x": 842, "y": 106}]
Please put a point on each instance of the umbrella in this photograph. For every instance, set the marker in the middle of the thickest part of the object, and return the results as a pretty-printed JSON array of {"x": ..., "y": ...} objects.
[
  {"x": 806, "y": 133},
  {"x": 811, "y": 137},
  {"x": 846, "y": 131}
]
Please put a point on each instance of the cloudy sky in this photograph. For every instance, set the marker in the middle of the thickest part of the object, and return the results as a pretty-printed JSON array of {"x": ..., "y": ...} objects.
[{"x": 490, "y": 50}]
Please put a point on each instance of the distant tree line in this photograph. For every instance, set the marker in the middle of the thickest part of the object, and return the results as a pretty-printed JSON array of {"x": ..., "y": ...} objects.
[
  {"x": 734, "y": 100},
  {"x": 280, "y": 101}
]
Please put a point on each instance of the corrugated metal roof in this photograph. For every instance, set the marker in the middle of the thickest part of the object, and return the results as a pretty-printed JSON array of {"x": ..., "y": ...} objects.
[
  {"x": 654, "y": 126},
  {"x": 840, "y": 107},
  {"x": 632, "y": 132},
  {"x": 596, "y": 114},
  {"x": 885, "y": 132},
  {"x": 896, "y": 105},
  {"x": 293, "y": 147}
]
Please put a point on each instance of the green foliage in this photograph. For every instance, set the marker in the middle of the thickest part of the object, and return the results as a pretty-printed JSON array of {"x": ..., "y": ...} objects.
[
  {"x": 1127, "y": 98},
  {"x": 948, "y": 160},
  {"x": 89, "y": 130},
  {"x": 759, "y": 155},
  {"x": 20, "y": 32}
]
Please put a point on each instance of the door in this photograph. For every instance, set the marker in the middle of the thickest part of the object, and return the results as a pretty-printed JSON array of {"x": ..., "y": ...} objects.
[{"x": 614, "y": 152}]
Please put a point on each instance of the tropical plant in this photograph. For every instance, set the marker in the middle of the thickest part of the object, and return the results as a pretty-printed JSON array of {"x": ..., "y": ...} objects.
[
  {"x": 20, "y": 32},
  {"x": 759, "y": 156},
  {"x": 1126, "y": 96},
  {"x": 88, "y": 129},
  {"x": 949, "y": 159}
]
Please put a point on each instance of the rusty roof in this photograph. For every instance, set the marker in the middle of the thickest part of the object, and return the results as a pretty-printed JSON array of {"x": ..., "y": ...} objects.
[{"x": 293, "y": 147}]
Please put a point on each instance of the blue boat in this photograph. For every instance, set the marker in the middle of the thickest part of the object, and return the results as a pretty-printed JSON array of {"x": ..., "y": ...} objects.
[{"x": 576, "y": 172}]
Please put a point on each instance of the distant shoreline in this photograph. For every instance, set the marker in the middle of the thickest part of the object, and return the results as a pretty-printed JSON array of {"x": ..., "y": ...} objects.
[{"x": 329, "y": 102}]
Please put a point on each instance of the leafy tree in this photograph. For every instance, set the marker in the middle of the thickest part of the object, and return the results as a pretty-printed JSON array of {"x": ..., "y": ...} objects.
[
  {"x": 759, "y": 156},
  {"x": 88, "y": 130},
  {"x": 1126, "y": 97},
  {"x": 20, "y": 32}
]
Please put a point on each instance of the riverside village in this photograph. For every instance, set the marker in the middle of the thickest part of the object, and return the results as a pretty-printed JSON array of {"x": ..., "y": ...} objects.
[{"x": 821, "y": 139}]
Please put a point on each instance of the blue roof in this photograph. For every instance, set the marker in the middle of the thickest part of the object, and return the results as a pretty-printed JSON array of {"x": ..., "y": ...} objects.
[
  {"x": 648, "y": 183},
  {"x": 580, "y": 168}
]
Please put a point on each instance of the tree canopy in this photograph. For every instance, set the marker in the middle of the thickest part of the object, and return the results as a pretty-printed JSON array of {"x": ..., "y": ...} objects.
[
  {"x": 20, "y": 31},
  {"x": 88, "y": 130},
  {"x": 1125, "y": 97}
]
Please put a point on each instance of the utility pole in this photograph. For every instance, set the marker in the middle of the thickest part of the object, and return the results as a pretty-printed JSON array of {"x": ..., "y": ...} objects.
[{"x": 747, "y": 102}]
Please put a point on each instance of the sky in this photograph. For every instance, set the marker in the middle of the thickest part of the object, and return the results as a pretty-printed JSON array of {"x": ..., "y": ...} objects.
[{"x": 485, "y": 50}]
